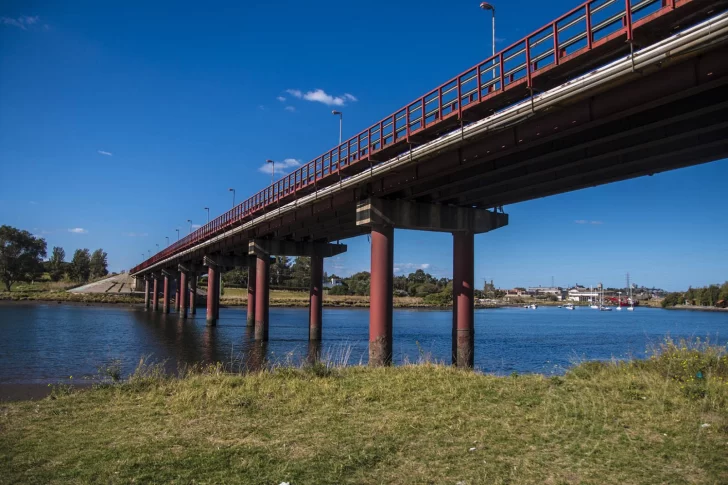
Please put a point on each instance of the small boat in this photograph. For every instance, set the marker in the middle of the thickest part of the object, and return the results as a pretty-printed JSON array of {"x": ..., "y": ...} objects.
[
  {"x": 533, "y": 306},
  {"x": 569, "y": 306},
  {"x": 605, "y": 309}
]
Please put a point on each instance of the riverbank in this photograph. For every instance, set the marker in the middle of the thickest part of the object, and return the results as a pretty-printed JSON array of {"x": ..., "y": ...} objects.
[
  {"x": 697, "y": 308},
  {"x": 231, "y": 298},
  {"x": 623, "y": 423}
]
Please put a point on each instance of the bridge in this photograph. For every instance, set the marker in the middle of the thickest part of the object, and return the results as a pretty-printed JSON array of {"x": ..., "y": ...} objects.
[{"x": 613, "y": 89}]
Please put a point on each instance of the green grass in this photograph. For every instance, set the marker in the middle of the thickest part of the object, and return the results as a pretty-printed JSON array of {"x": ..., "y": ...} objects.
[
  {"x": 286, "y": 298},
  {"x": 641, "y": 422}
]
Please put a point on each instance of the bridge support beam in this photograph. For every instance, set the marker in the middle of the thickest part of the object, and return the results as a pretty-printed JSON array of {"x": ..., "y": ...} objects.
[
  {"x": 380, "y": 295},
  {"x": 252, "y": 266},
  {"x": 147, "y": 291},
  {"x": 193, "y": 293},
  {"x": 182, "y": 292},
  {"x": 177, "y": 278},
  {"x": 463, "y": 299},
  {"x": 165, "y": 303},
  {"x": 155, "y": 294},
  {"x": 213, "y": 297},
  {"x": 316, "y": 298},
  {"x": 262, "y": 278},
  {"x": 463, "y": 222}
]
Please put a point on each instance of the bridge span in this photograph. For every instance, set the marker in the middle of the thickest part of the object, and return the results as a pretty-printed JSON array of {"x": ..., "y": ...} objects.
[{"x": 612, "y": 90}]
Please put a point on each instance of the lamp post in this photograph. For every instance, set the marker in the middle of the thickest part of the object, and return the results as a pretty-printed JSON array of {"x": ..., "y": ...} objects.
[
  {"x": 273, "y": 171},
  {"x": 208, "y": 213},
  {"x": 157, "y": 247},
  {"x": 167, "y": 238},
  {"x": 487, "y": 6},
  {"x": 233, "y": 191},
  {"x": 143, "y": 255},
  {"x": 190, "y": 221},
  {"x": 177, "y": 234},
  {"x": 341, "y": 121}
]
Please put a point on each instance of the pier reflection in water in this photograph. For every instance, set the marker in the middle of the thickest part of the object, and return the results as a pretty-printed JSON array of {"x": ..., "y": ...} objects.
[{"x": 48, "y": 342}]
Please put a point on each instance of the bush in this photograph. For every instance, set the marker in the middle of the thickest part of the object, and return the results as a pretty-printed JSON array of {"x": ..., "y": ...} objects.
[{"x": 339, "y": 290}]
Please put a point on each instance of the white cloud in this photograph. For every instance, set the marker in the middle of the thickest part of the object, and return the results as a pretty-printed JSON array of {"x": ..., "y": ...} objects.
[
  {"x": 582, "y": 221},
  {"x": 284, "y": 166},
  {"x": 290, "y": 108},
  {"x": 321, "y": 96},
  {"x": 597, "y": 222},
  {"x": 281, "y": 98},
  {"x": 400, "y": 267},
  {"x": 78, "y": 230},
  {"x": 22, "y": 22},
  {"x": 102, "y": 152},
  {"x": 196, "y": 226}
]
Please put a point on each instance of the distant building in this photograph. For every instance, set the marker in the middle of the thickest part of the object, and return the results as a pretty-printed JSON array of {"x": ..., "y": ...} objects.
[
  {"x": 581, "y": 294},
  {"x": 515, "y": 293},
  {"x": 559, "y": 293},
  {"x": 332, "y": 283}
]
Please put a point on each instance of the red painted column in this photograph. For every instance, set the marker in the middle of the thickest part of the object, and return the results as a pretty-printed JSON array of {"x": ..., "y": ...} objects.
[
  {"x": 463, "y": 299},
  {"x": 316, "y": 298},
  {"x": 212, "y": 295},
  {"x": 165, "y": 303},
  {"x": 262, "y": 278},
  {"x": 155, "y": 295},
  {"x": 252, "y": 263},
  {"x": 146, "y": 293},
  {"x": 219, "y": 294},
  {"x": 177, "y": 291},
  {"x": 183, "y": 293},
  {"x": 193, "y": 293},
  {"x": 380, "y": 296}
]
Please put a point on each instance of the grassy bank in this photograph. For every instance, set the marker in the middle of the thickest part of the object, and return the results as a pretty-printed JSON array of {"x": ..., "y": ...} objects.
[
  {"x": 663, "y": 420},
  {"x": 62, "y": 296},
  {"x": 285, "y": 298}
]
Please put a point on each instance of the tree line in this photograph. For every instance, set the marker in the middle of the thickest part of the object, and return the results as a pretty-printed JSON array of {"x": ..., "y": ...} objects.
[
  {"x": 22, "y": 259},
  {"x": 295, "y": 274},
  {"x": 706, "y": 296}
]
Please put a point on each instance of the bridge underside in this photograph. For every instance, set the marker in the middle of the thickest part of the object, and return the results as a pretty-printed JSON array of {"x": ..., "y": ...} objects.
[{"x": 670, "y": 118}]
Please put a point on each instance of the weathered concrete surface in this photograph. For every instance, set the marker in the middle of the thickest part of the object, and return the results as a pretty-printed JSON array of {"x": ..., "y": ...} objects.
[{"x": 120, "y": 284}]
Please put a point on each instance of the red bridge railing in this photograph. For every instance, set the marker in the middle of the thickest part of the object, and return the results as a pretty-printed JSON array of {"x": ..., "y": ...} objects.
[{"x": 565, "y": 39}]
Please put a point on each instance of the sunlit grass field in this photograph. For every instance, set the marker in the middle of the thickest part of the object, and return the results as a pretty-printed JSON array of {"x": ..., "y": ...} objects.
[{"x": 659, "y": 421}]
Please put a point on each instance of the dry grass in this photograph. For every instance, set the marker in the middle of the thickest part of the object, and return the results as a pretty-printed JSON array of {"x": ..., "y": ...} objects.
[
  {"x": 238, "y": 296},
  {"x": 613, "y": 423}
]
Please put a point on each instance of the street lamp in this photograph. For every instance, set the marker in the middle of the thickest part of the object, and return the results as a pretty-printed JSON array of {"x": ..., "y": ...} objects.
[
  {"x": 233, "y": 191},
  {"x": 208, "y": 213},
  {"x": 272, "y": 172},
  {"x": 190, "y": 221},
  {"x": 167, "y": 238},
  {"x": 149, "y": 252},
  {"x": 157, "y": 247},
  {"x": 341, "y": 121},
  {"x": 487, "y": 6},
  {"x": 143, "y": 255},
  {"x": 177, "y": 234}
]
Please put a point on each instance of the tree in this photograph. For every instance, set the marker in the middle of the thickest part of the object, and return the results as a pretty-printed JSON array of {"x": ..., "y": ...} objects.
[
  {"x": 57, "y": 263},
  {"x": 301, "y": 272},
  {"x": 98, "y": 264},
  {"x": 21, "y": 255},
  {"x": 237, "y": 277},
  {"x": 80, "y": 268},
  {"x": 280, "y": 271}
]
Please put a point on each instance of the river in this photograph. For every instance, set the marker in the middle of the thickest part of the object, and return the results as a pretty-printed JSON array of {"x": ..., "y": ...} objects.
[{"x": 48, "y": 343}]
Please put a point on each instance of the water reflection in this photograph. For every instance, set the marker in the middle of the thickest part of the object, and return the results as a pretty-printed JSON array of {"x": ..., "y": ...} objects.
[{"x": 44, "y": 343}]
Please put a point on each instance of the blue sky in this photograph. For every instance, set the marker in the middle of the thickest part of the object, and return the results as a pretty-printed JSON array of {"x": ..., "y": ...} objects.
[{"x": 119, "y": 122}]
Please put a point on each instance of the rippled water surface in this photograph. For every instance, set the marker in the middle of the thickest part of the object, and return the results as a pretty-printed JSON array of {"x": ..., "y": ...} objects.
[{"x": 45, "y": 343}]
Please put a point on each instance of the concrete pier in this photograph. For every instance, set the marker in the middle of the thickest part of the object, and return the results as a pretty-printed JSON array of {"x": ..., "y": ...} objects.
[
  {"x": 252, "y": 266},
  {"x": 212, "y": 294},
  {"x": 316, "y": 298},
  {"x": 463, "y": 299},
  {"x": 183, "y": 293},
  {"x": 262, "y": 289},
  {"x": 193, "y": 293},
  {"x": 381, "y": 298}
]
